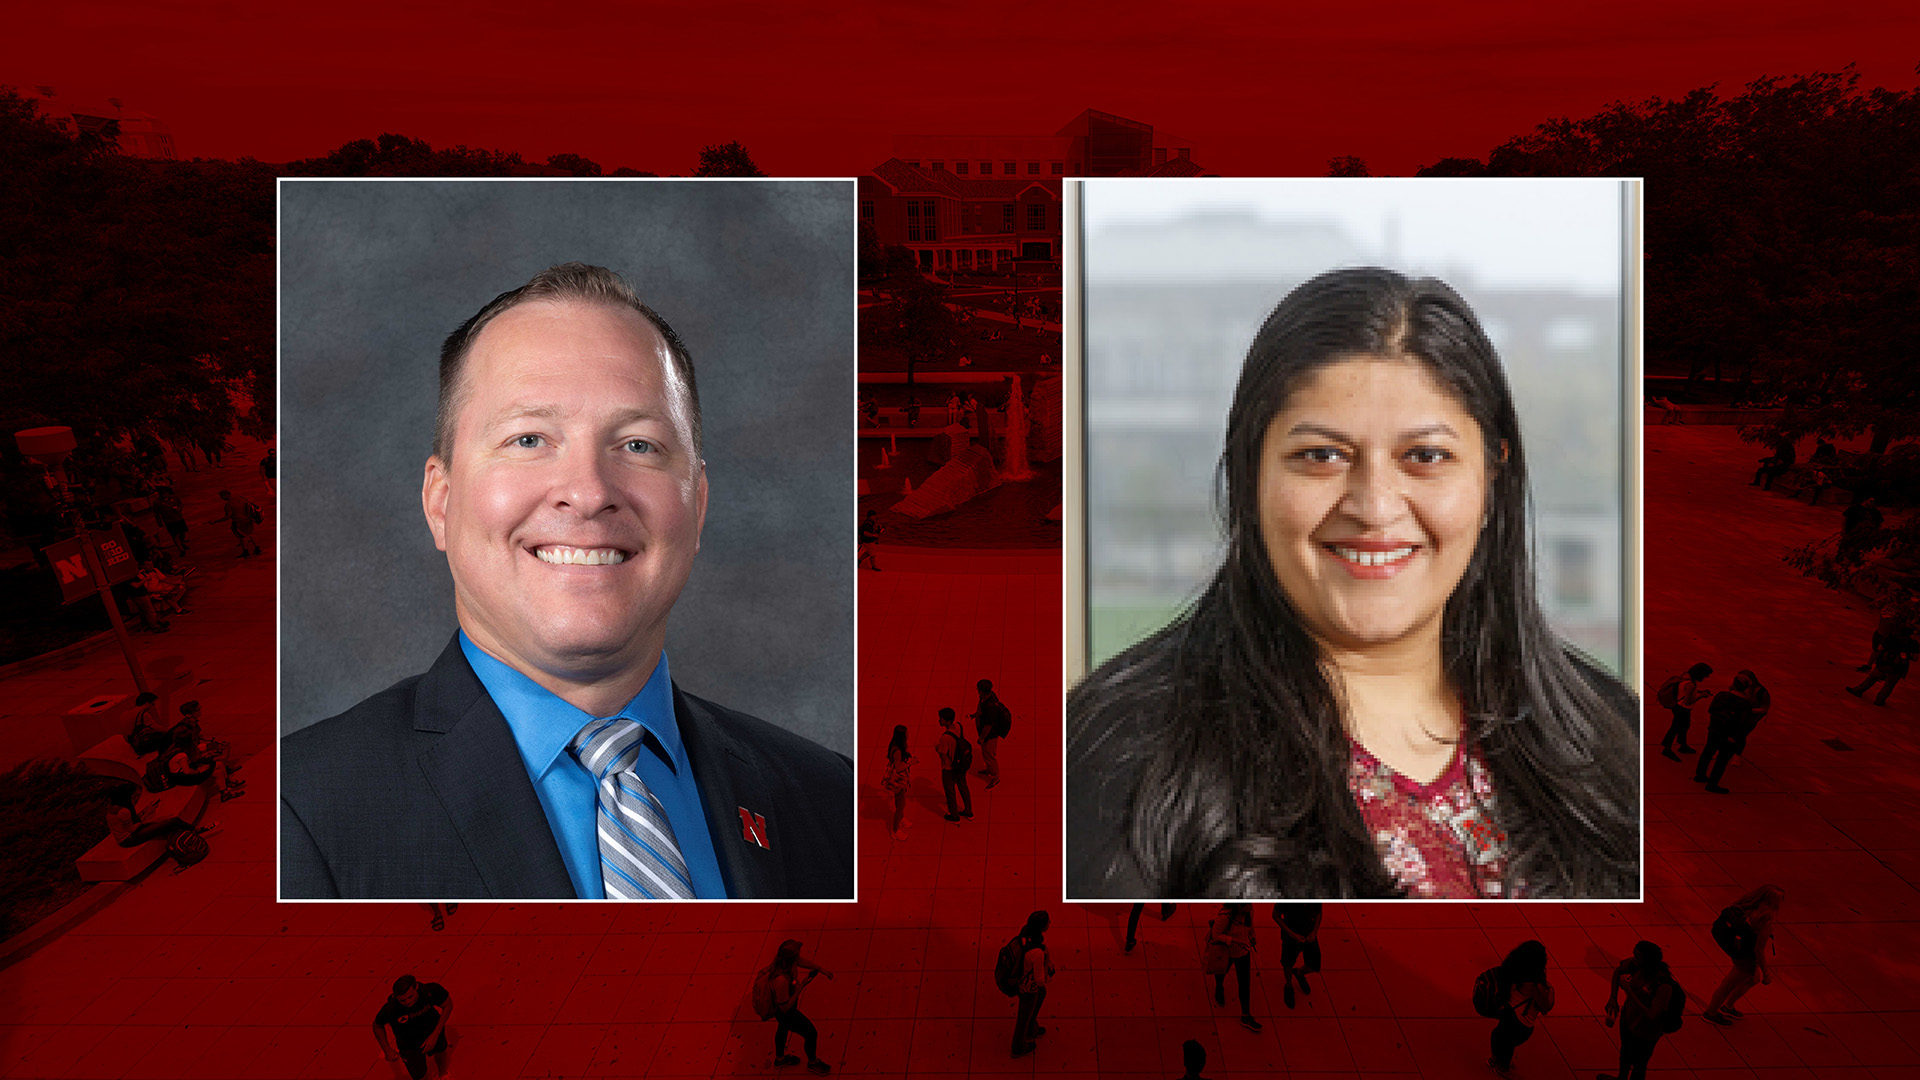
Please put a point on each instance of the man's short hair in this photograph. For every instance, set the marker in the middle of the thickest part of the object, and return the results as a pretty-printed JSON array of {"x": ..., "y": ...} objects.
[
  {"x": 984, "y": 685},
  {"x": 567, "y": 281},
  {"x": 946, "y": 716},
  {"x": 1193, "y": 1055},
  {"x": 403, "y": 984}
]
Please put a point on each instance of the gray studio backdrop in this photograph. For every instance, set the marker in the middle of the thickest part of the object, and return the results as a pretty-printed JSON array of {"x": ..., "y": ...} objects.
[{"x": 756, "y": 276}]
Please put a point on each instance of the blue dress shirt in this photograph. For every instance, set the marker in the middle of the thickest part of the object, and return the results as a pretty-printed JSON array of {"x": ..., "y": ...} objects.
[{"x": 543, "y": 725}]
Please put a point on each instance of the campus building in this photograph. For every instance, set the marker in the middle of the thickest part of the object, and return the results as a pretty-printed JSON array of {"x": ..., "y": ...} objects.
[{"x": 141, "y": 135}]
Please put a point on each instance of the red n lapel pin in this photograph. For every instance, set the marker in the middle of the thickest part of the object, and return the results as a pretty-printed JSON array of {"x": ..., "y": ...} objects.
[{"x": 753, "y": 828}]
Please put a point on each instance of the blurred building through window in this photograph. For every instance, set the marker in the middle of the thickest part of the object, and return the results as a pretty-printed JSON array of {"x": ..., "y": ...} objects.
[{"x": 1180, "y": 274}]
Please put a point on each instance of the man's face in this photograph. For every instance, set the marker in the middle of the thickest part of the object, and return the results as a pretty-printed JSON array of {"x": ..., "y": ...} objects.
[{"x": 571, "y": 511}]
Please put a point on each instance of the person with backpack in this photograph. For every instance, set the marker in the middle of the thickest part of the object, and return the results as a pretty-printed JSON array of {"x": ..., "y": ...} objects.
[
  {"x": 241, "y": 516},
  {"x": 1299, "y": 938},
  {"x": 991, "y": 722},
  {"x": 1890, "y": 665},
  {"x": 1231, "y": 930},
  {"x": 956, "y": 757},
  {"x": 146, "y": 737},
  {"x": 1525, "y": 996},
  {"x": 422, "y": 1043},
  {"x": 776, "y": 996},
  {"x": 1730, "y": 718},
  {"x": 1744, "y": 931},
  {"x": 1681, "y": 693},
  {"x": 1655, "y": 1004},
  {"x": 899, "y": 776},
  {"x": 1035, "y": 969}
]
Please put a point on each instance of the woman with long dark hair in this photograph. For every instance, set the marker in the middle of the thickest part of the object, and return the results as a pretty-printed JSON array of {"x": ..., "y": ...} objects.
[
  {"x": 1367, "y": 700},
  {"x": 899, "y": 775},
  {"x": 1523, "y": 978},
  {"x": 786, "y": 985},
  {"x": 1744, "y": 931}
]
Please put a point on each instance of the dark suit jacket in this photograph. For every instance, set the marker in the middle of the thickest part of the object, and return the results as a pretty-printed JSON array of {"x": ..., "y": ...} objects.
[{"x": 419, "y": 792}]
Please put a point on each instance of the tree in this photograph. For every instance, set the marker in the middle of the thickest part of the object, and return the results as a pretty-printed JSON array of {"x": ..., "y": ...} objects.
[
  {"x": 574, "y": 165},
  {"x": 915, "y": 320},
  {"x": 401, "y": 155},
  {"x": 728, "y": 159},
  {"x": 1347, "y": 166}
]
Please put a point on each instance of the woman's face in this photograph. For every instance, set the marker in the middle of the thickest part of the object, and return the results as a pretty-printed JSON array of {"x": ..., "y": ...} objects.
[{"x": 1372, "y": 490}]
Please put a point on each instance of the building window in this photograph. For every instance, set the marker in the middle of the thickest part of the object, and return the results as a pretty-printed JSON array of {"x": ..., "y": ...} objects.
[
  {"x": 1059, "y": 168},
  {"x": 913, "y": 220},
  {"x": 959, "y": 168},
  {"x": 986, "y": 168},
  {"x": 939, "y": 166},
  {"x": 966, "y": 259},
  {"x": 1006, "y": 168},
  {"x": 1033, "y": 168},
  {"x": 1006, "y": 255},
  {"x": 1573, "y": 571},
  {"x": 1186, "y": 153},
  {"x": 866, "y": 209},
  {"x": 1159, "y": 155},
  {"x": 927, "y": 211},
  {"x": 1006, "y": 217},
  {"x": 946, "y": 259},
  {"x": 1036, "y": 216}
]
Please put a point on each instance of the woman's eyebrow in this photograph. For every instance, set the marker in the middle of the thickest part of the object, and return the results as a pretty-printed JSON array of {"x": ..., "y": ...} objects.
[{"x": 1307, "y": 427}]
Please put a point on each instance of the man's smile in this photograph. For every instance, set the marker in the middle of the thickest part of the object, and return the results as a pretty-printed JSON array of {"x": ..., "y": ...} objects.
[{"x": 562, "y": 555}]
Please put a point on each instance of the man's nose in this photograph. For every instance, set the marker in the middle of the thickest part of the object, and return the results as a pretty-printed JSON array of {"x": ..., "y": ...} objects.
[{"x": 583, "y": 485}]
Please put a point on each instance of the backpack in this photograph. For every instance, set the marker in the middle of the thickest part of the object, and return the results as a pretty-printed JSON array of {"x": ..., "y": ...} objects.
[
  {"x": 1490, "y": 992},
  {"x": 254, "y": 513},
  {"x": 1011, "y": 966},
  {"x": 156, "y": 778},
  {"x": 187, "y": 847},
  {"x": 1002, "y": 718},
  {"x": 763, "y": 993},
  {"x": 1735, "y": 936},
  {"x": 1669, "y": 693},
  {"x": 1676, "y": 1011},
  {"x": 962, "y": 752}
]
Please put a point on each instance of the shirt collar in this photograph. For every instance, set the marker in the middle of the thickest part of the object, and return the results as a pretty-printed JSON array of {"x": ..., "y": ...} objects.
[{"x": 543, "y": 724}]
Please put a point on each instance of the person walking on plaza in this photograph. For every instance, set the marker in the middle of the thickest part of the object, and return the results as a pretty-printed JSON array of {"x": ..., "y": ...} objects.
[
  {"x": 422, "y": 1044},
  {"x": 1193, "y": 1058},
  {"x": 1744, "y": 931},
  {"x": 1889, "y": 666},
  {"x": 1650, "y": 992},
  {"x": 1036, "y": 969},
  {"x": 869, "y": 536},
  {"x": 1680, "y": 693},
  {"x": 785, "y": 984},
  {"x": 1529, "y": 996},
  {"x": 1133, "y": 921},
  {"x": 992, "y": 720},
  {"x": 270, "y": 469},
  {"x": 439, "y": 920},
  {"x": 1729, "y": 720},
  {"x": 1299, "y": 939},
  {"x": 166, "y": 507},
  {"x": 899, "y": 776},
  {"x": 1896, "y": 619},
  {"x": 956, "y": 757},
  {"x": 241, "y": 516},
  {"x": 1232, "y": 929}
]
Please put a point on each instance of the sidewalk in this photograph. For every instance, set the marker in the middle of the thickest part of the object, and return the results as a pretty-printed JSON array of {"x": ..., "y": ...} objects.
[
  {"x": 229, "y": 638},
  {"x": 201, "y": 975}
]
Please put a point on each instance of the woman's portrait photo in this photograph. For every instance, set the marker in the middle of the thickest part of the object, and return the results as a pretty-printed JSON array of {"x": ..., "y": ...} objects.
[{"x": 1396, "y": 672}]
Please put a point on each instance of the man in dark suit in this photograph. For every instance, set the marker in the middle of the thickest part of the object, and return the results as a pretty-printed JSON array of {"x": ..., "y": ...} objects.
[{"x": 547, "y": 753}]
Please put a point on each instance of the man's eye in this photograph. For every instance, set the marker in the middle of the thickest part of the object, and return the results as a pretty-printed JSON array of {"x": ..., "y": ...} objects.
[
  {"x": 526, "y": 442},
  {"x": 642, "y": 446}
]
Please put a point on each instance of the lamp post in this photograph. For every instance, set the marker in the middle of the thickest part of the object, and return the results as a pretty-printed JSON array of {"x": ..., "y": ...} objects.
[{"x": 50, "y": 446}]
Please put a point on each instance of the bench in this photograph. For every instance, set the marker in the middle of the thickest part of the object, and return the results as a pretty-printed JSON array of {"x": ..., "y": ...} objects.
[
  {"x": 108, "y": 861},
  {"x": 112, "y": 756}
]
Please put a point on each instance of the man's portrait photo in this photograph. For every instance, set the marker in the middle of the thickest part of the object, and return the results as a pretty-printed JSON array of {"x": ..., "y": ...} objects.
[{"x": 567, "y": 594}]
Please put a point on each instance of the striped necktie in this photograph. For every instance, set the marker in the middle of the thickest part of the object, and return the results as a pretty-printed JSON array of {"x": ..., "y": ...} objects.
[{"x": 639, "y": 858}]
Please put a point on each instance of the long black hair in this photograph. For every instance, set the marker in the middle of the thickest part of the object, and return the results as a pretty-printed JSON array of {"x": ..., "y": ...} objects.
[
  {"x": 1241, "y": 782},
  {"x": 899, "y": 741},
  {"x": 1527, "y": 963}
]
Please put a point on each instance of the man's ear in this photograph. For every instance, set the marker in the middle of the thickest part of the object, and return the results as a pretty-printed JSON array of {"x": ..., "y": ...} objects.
[
  {"x": 700, "y": 508},
  {"x": 433, "y": 500}
]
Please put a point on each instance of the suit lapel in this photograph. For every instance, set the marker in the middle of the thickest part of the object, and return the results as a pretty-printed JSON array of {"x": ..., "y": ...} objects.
[
  {"x": 729, "y": 782},
  {"x": 476, "y": 772}
]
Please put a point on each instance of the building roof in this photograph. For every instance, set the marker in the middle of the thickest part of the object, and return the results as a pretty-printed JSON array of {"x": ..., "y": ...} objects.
[{"x": 906, "y": 178}]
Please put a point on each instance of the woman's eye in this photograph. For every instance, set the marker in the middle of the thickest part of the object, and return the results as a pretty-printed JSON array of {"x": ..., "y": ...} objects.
[
  {"x": 1428, "y": 455},
  {"x": 1320, "y": 455},
  {"x": 641, "y": 446}
]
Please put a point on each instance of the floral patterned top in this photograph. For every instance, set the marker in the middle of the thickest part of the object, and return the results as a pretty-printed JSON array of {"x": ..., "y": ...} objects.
[{"x": 1438, "y": 840}]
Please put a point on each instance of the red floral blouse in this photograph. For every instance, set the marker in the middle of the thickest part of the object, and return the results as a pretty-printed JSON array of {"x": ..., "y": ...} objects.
[{"x": 1438, "y": 840}]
